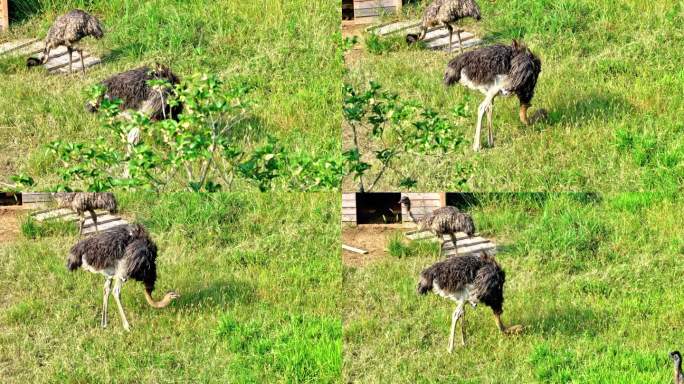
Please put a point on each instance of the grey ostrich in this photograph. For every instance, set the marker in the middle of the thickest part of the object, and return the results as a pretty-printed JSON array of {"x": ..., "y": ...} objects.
[
  {"x": 442, "y": 221},
  {"x": 446, "y": 12},
  {"x": 80, "y": 202},
  {"x": 132, "y": 88},
  {"x": 472, "y": 279},
  {"x": 677, "y": 360},
  {"x": 68, "y": 30},
  {"x": 497, "y": 70},
  {"x": 125, "y": 252}
]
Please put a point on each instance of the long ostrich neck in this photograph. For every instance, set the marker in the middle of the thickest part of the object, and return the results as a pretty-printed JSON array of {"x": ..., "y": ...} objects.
[
  {"x": 157, "y": 304},
  {"x": 413, "y": 218},
  {"x": 677, "y": 369}
]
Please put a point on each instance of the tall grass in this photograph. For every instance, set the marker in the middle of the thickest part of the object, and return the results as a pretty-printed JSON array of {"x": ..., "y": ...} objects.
[
  {"x": 590, "y": 276},
  {"x": 259, "y": 278},
  {"x": 286, "y": 51},
  {"x": 609, "y": 71}
]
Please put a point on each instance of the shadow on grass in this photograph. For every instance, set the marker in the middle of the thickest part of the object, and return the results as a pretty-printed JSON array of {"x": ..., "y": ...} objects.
[
  {"x": 567, "y": 321},
  {"x": 218, "y": 293},
  {"x": 604, "y": 107}
]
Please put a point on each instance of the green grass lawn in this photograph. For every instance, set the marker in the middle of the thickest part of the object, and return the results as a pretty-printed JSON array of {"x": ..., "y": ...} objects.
[
  {"x": 286, "y": 51},
  {"x": 611, "y": 78},
  {"x": 259, "y": 278},
  {"x": 594, "y": 279}
]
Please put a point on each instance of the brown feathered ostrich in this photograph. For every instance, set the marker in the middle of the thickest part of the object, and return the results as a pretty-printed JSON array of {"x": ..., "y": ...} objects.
[
  {"x": 68, "y": 30},
  {"x": 442, "y": 221},
  {"x": 80, "y": 202},
  {"x": 472, "y": 279},
  {"x": 677, "y": 360},
  {"x": 132, "y": 88},
  {"x": 444, "y": 13},
  {"x": 497, "y": 70},
  {"x": 125, "y": 252}
]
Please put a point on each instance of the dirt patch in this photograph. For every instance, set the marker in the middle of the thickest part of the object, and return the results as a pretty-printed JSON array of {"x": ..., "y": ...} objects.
[
  {"x": 350, "y": 30},
  {"x": 372, "y": 239},
  {"x": 10, "y": 222}
]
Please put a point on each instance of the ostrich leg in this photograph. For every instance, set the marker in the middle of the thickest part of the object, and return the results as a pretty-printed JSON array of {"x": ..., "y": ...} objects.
[
  {"x": 453, "y": 240},
  {"x": 463, "y": 321},
  {"x": 46, "y": 54},
  {"x": 81, "y": 222},
  {"x": 451, "y": 33},
  {"x": 460, "y": 44},
  {"x": 105, "y": 301},
  {"x": 70, "y": 51},
  {"x": 491, "y": 94},
  {"x": 93, "y": 215},
  {"x": 117, "y": 298},
  {"x": 454, "y": 318},
  {"x": 490, "y": 115},
  {"x": 80, "y": 53}
]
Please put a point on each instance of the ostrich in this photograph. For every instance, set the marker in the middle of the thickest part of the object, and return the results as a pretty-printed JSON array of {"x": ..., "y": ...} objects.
[
  {"x": 494, "y": 70},
  {"x": 132, "y": 88},
  {"x": 469, "y": 278},
  {"x": 677, "y": 359},
  {"x": 122, "y": 253},
  {"x": 80, "y": 202},
  {"x": 446, "y": 12},
  {"x": 442, "y": 221},
  {"x": 68, "y": 30}
]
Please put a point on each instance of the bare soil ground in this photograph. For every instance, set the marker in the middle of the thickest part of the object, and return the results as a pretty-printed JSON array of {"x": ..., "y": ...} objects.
[
  {"x": 351, "y": 30},
  {"x": 9, "y": 224},
  {"x": 372, "y": 239}
]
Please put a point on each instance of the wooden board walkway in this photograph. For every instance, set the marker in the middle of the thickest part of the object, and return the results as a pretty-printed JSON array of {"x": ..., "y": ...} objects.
[
  {"x": 436, "y": 38},
  {"x": 58, "y": 62},
  {"x": 105, "y": 220},
  {"x": 466, "y": 245}
]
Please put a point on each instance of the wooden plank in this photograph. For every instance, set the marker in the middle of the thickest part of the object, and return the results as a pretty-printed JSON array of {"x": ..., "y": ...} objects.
[
  {"x": 62, "y": 213},
  {"x": 16, "y": 45},
  {"x": 105, "y": 226},
  {"x": 4, "y": 16},
  {"x": 354, "y": 249},
  {"x": 349, "y": 211},
  {"x": 34, "y": 197},
  {"x": 88, "y": 61},
  {"x": 373, "y": 12},
  {"x": 349, "y": 197},
  {"x": 488, "y": 248},
  {"x": 349, "y": 218}
]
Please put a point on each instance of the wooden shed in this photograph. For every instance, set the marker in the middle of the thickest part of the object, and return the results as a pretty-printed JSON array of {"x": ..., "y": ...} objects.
[
  {"x": 4, "y": 16},
  {"x": 384, "y": 207},
  {"x": 367, "y": 11}
]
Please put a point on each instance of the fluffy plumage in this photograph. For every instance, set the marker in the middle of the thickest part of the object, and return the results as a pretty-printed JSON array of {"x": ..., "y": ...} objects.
[
  {"x": 132, "y": 89},
  {"x": 446, "y": 12},
  {"x": 442, "y": 221},
  {"x": 119, "y": 254},
  {"x": 497, "y": 70},
  {"x": 472, "y": 279},
  {"x": 68, "y": 30},
  {"x": 80, "y": 202}
]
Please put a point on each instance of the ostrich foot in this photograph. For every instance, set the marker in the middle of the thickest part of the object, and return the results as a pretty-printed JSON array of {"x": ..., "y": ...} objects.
[{"x": 514, "y": 330}]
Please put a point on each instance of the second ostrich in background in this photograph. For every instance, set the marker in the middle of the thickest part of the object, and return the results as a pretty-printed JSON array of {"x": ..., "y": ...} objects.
[
  {"x": 68, "y": 30},
  {"x": 125, "y": 252},
  {"x": 469, "y": 279},
  {"x": 80, "y": 202},
  {"x": 446, "y": 12},
  {"x": 497, "y": 70},
  {"x": 442, "y": 221},
  {"x": 677, "y": 360},
  {"x": 132, "y": 88}
]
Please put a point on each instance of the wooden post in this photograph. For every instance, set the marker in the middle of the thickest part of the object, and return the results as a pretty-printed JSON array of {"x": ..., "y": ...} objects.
[
  {"x": 397, "y": 5},
  {"x": 4, "y": 16},
  {"x": 442, "y": 199}
]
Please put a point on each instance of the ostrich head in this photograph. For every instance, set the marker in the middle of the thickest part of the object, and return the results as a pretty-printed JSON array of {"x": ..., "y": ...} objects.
[
  {"x": 406, "y": 202},
  {"x": 525, "y": 69},
  {"x": 489, "y": 284},
  {"x": 424, "y": 284},
  {"x": 676, "y": 357},
  {"x": 411, "y": 38},
  {"x": 94, "y": 28}
]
